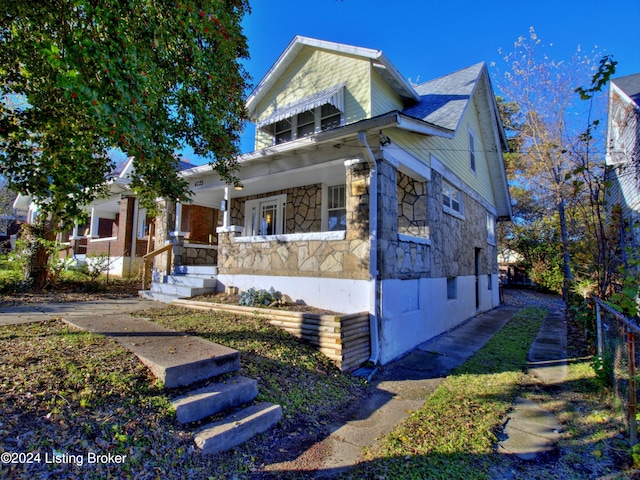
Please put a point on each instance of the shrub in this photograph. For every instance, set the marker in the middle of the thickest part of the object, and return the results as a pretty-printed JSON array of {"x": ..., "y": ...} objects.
[{"x": 256, "y": 298}]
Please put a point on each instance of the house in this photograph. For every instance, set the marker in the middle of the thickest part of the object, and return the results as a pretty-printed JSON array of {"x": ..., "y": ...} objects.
[
  {"x": 117, "y": 227},
  {"x": 9, "y": 229},
  {"x": 623, "y": 159},
  {"x": 364, "y": 193}
]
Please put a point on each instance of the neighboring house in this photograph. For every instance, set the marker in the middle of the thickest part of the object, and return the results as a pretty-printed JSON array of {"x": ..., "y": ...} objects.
[
  {"x": 512, "y": 272},
  {"x": 117, "y": 227},
  {"x": 623, "y": 159},
  {"x": 364, "y": 193},
  {"x": 9, "y": 228}
]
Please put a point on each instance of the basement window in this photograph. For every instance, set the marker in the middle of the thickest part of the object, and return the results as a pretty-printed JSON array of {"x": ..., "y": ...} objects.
[{"x": 452, "y": 288}]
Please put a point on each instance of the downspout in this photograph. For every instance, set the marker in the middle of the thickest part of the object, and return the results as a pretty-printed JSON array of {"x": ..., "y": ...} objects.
[{"x": 374, "y": 295}]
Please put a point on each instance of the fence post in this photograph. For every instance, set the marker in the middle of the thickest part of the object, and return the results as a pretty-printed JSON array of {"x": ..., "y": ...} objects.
[
  {"x": 599, "y": 332},
  {"x": 633, "y": 432}
]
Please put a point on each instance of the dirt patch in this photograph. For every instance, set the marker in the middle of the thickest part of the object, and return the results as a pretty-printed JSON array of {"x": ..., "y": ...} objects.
[
  {"x": 67, "y": 292},
  {"x": 227, "y": 299}
]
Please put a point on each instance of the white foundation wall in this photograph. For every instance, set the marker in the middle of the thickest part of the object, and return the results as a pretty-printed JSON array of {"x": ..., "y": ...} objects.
[
  {"x": 414, "y": 311},
  {"x": 339, "y": 295}
]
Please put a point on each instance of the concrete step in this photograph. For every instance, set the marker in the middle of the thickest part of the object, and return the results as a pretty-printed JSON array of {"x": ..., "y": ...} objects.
[
  {"x": 216, "y": 398},
  {"x": 204, "y": 270},
  {"x": 157, "y": 296},
  {"x": 197, "y": 281},
  {"x": 181, "y": 291},
  {"x": 238, "y": 427},
  {"x": 174, "y": 357}
]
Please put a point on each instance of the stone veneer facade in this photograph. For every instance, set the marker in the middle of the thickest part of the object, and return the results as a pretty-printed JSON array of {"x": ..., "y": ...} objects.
[
  {"x": 338, "y": 256},
  {"x": 417, "y": 239}
]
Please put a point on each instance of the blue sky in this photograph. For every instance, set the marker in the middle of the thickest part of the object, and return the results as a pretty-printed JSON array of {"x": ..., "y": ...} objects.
[{"x": 425, "y": 39}]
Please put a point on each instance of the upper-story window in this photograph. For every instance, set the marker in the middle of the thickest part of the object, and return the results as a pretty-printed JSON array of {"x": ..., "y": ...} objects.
[
  {"x": 282, "y": 131},
  {"x": 306, "y": 123},
  {"x": 316, "y": 113}
]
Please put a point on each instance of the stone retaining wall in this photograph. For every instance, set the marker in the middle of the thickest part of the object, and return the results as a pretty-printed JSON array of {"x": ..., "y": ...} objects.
[{"x": 345, "y": 339}]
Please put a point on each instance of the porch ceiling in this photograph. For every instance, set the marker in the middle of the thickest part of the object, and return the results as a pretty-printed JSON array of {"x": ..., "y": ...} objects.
[{"x": 265, "y": 179}]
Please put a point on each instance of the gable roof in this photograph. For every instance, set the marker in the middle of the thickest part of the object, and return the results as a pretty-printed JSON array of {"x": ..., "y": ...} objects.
[
  {"x": 630, "y": 85},
  {"x": 444, "y": 100},
  {"x": 379, "y": 61}
]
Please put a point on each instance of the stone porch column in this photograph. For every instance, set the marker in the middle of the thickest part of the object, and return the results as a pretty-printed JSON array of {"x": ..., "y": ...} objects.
[{"x": 357, "y": 201}]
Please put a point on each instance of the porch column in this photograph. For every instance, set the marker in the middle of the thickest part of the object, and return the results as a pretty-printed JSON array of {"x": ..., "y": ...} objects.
[
  {"x": 178, "y": 222},
  {"x": 177, "y": 240},
  {"x": 93, "y": 226},
  {"x": 226, "y": 219},
  {"x": 357, "y": 201}
]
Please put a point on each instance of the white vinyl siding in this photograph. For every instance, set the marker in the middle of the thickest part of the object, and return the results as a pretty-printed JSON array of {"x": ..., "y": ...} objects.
[{"x": 383, "y": 98}]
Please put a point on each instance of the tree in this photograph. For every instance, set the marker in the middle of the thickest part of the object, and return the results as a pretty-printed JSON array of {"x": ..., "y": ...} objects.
[
  {"x": 79, "y": 77},
  {"x": 544, "y": 91}
]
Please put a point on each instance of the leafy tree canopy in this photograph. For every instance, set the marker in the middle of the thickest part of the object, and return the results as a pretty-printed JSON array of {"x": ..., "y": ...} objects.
[{"x": 79, "y": 77}]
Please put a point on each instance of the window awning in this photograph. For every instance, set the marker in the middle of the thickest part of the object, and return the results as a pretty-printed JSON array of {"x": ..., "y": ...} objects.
[{"x": 333, "y": 96}]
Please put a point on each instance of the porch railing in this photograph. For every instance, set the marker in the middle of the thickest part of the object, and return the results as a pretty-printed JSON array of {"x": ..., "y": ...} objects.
[{"x": 148, "y": 258}]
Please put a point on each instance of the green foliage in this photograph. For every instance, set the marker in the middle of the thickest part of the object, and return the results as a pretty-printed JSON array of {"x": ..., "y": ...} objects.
[
  {"x": 31, "y": 244},
  {"x": 603, "y": 369},
  {"x": 79, "y": 78},
  {"x": 57, "y": 266},
  {"x": 96, "y": 265},
  {"x": 255, "y": 298}
]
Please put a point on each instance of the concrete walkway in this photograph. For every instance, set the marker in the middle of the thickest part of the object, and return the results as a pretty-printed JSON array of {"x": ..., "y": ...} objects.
[
  {"x": 530, "y": 430},
  {"x": 46, "y": 311}
]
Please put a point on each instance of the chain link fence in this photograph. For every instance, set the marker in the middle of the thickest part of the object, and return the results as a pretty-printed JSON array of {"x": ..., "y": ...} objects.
[{"x": 617, "y": 341}]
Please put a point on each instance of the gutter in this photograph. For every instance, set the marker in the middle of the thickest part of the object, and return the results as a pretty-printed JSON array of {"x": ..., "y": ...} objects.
[{"x": 374, "y": 293}]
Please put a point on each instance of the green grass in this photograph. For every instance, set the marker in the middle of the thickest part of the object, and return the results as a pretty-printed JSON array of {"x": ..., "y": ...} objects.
[
  {"x": 457, "y": 425},
  {"x": 454, "y": 435},
  {"x": 9, "y": 272},
  {"x": 290, "y": 372}
]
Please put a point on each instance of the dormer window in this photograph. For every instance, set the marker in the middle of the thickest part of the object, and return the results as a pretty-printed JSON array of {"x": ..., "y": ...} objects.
[
  {"x": 316, "y": 113},
  {"x": 282, "y": 131}
]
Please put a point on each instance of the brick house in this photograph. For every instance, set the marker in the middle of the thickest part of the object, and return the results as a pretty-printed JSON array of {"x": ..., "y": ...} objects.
[
  {"x": 364, "y": 193},
  {"x": 117, "y": 227}
]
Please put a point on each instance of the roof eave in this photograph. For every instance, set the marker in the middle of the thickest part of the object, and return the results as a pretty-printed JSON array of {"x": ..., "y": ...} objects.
[{"x": 397, "y": 81}]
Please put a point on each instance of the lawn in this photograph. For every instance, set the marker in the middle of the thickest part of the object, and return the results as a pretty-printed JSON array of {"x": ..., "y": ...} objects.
[
  {"x": 69, "y": 393},
  {"x": 454, "y": 434}
]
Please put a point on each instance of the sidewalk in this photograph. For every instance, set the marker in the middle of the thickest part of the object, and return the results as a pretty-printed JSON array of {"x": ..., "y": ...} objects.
[{"x": 46, "y": 311}]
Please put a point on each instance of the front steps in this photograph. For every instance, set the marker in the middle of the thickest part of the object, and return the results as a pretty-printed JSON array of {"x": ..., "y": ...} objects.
[
  {"x": 181, "y": 360},
  {"x": 237, "y": 428},
  {"x": 186, "y": 282},
  {"x": 215, "y": 398}
]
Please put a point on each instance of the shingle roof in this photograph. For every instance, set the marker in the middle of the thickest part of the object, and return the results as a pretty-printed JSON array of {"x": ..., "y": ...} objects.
[
  {"x": 444, "y": 100},
  {"x": 630, "y": 85}
]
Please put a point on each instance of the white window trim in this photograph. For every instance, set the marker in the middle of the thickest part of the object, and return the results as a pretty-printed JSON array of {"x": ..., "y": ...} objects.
[
  {"x": 491, "y": 229},
  {"x": 325, "y": 205},
  {"x": 449, "y": 210},
  {"x": 252, "y": 205},
  {"x": 294, "y": 237}
]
